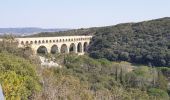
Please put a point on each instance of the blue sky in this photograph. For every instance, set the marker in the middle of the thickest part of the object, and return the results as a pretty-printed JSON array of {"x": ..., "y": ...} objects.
[{"x": 79, "y": 13}]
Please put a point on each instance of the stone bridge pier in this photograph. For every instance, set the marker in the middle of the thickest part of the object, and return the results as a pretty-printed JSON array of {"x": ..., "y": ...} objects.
[{"x": 61, "y": 44}]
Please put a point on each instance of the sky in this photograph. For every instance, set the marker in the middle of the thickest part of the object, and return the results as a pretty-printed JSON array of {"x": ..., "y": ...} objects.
[{"x": 79, "y": 13}]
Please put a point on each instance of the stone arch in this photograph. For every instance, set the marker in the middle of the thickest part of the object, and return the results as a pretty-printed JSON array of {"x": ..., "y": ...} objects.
[
  {"x": 54, "y": 49},
  {"x": 43, "y": 41},
  {"x": 31, "y": 42},
  {"x": 35, "y": 42},
  {"x": 79, "y": 47},
  {"x": 64, "y": 48},
  {"x": 46, "y": 41},
  {"x": 22, "y": 42},
  {"x": 72, "y": 48},
  {"x": 39, "y": 42},
  {"x": 27, "y": 42},
  {"x": 85, "y": 46},
  {"x": 42, "y": 50}
]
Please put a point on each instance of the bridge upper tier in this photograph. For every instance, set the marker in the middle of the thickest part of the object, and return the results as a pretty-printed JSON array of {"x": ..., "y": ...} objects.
[{"x": 37, "y": 40}]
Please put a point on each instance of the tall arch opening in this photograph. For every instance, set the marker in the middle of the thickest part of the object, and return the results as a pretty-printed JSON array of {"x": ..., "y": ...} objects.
[
  {"x": 35, "y": 42},
  {"x": 64, "y": 48},
  {"x": 42, "y": 50},
  {"x": 39, "y": 41},
  {"x": 54, "y": 49},
  {"x": 85, "y": 46},
  {"x": 79, "y": 47},
  {"x": 72, "y": 48},
  {"x": 22, "y": 42}
]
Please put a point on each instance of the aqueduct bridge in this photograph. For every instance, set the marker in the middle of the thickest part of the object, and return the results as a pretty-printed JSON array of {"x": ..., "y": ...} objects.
[{"x": 60, "y": 44}]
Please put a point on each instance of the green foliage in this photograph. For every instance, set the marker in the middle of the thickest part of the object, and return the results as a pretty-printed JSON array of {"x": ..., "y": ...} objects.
[
  {"x": 165, "y": 71},
  {"x": 158, "y": 94},
  {"x": 142, "y": 43},
  {"x": 137, "y": 94},
  {"x": 162, "y": 81},
  {"x": 10, "y": 45},
  {"x": 141, "y": 78},
  {"x": 142, "y": 71},
  {"x": 81, "y": 78},
  {"x": 13, "y": 86},
  {"x": 18, "y": 77},
  {"x": 99, "y": 77}
]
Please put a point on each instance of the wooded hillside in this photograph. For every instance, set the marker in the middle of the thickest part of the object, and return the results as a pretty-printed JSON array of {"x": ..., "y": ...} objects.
[{"x": 146, "y": 42}]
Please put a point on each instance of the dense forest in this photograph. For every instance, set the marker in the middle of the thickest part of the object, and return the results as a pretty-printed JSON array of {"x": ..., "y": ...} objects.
[
  {"x": 80, "y": 77},
  {"x": 145, "y": 42}
]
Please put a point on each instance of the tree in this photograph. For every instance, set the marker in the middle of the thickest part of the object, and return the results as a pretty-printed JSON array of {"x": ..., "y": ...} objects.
[
  {"x": 162, "y": 81},
  {"x": 158, "y": 94},
  {"x": 18, "y": 77}
]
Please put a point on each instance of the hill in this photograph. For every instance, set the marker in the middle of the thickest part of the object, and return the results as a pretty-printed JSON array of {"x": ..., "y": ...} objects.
[
  {"x": 145, "y": 42},
  {"x": 27, "y": 31}
]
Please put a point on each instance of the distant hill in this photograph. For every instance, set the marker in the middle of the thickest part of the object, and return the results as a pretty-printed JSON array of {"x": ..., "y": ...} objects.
[
  {"x": 27, "y": 31},
  {"x": 146, "y": 42}
]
